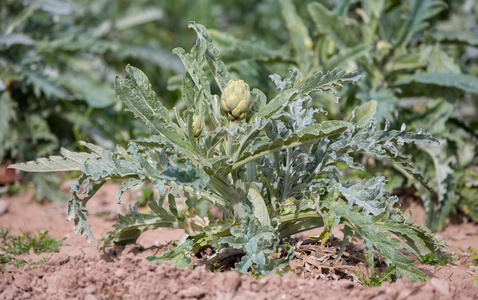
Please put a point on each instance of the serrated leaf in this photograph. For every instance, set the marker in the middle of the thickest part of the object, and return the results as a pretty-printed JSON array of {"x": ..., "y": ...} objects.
[
  {"x": 126, "y": 185},
  {"x": 78, "y": 214},
  {"x": 308, "y": 134},
  {"x": 177, "y": 256},
  {"x": 363, "y": 114},
  {"x": 420, "y": 239},
  {"x": 453, "y": 36},
  {"x": 299, "y": 35},
  {"x": 347, "y": 54},
  {"x": 46, "y": 85},
  {"x": 277, "y": 103},
  {"x": 368, "y": 195},
  {"x": 320, "y": 82},
  {"x": 258, "y": 242},
  {"x": 234, "y": 50},
  {"x": 192, "y": 66},
  {"x": 212, "y": 55},
  {"x": 136, "y": 92},
  {"x": 383, "y": 144},
  {"x": 7, "y": 114},
  {"x": 332, "y": 25},
  {"x": 127, "y": 229},
  {"x": 71, "y": 161},
  {"x": 443, "y": 185},
  {"x": 421, "y": 10},
  {"x": 466, "y": 83},
  {"x": 375, "y": 239},
  {"x": 96, "y": 94},
  {"x": 292, "y": 81}
]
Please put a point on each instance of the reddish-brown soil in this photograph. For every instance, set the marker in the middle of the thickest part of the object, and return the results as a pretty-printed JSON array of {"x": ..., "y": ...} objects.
[{"x": 81, "y": 271}]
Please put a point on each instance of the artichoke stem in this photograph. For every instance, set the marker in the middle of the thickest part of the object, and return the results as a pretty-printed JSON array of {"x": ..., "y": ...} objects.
[{"x": 230, "y": 146}]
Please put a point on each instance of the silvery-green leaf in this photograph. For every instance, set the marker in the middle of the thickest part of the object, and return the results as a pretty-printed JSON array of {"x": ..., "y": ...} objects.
[
  {"x": 466, "y": 83},
  {"x": 299, "y": 35},
  {"x": 258, "y": 205},
  {"x": 70, "y": 161},
  {"x": 363, "y": 114},
  {"x": 308, "y": 134},
  {"x": 333, "y": 25}
]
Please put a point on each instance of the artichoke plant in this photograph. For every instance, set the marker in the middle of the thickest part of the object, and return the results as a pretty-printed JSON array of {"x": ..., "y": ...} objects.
[
  {"x": 272, "y": 176},
  {"x": 236, "y": 99}
]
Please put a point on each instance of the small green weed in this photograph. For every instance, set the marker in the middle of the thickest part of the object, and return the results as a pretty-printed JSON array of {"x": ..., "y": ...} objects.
[
  {"x": 147, "y": 193},
  {"x": 12, "y": 246},
  {"x": 433, "y": 260},
  {"x": 471, "y": 256},
  {"x": 374, "y": 279}
]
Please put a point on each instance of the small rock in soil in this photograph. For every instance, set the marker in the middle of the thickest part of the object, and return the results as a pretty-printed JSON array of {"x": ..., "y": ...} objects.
[
  {"x": 52, "y": 290},
  {"x": 228, "y": 282},
  {"x": 23, "y": 282},
  {"x": 193, "y": 292},
  {"x": 120, "y": 273},
  {"x": 440, "y": 285},
  {"x": 90, "y": 289},
  {"x": 90, "y": 297}
]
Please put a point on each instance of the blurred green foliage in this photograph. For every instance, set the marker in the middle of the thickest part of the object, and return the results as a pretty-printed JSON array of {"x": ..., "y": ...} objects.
[{"x": 58, "y": 60}]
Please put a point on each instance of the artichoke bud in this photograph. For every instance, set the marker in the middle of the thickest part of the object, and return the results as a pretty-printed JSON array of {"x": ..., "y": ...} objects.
[
  {"x": 236, "y": 99},
  {"x": 198, "y": 126}
]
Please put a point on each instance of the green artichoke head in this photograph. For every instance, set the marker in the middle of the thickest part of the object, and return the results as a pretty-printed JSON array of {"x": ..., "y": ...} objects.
[
  {"x": 236, "y": 99},
  {"x": 198, "y": 126}
]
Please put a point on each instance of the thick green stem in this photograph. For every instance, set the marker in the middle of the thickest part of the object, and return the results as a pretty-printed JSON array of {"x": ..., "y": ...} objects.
[
  {"x": 211, "y": 197},
  {"x": 240, "y": 163},
  {"x": 230, "y": 146},
  {"x": 286, "y": 176},
  {"x": 299, "y": 222},
  {"x": 229, "y": 193}
]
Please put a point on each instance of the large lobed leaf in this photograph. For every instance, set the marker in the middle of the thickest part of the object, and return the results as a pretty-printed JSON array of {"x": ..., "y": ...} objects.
[
  {"x": 368, "y": 195},
  {"x": 299, "y": 35},
  {"x": 257, "y": 242},
  {"x": 466, "y": 83},
  {"x": 128, "y": 228},
  {"x": 375, "y": 232},
  {"x": 235, "y": 51},
  {"x": 333, "y": 25},
  {"x": 136, "y": 92},
  {"x": 309, "y": 134},
  {"x": 326, "y": 82},
  {"x": 7, "y": 114}
]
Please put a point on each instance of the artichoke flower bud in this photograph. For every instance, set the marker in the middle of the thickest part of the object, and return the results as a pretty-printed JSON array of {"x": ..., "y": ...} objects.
[
  {"x": 198, "y": 126},
  {"x": 236, "y": 99}
]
